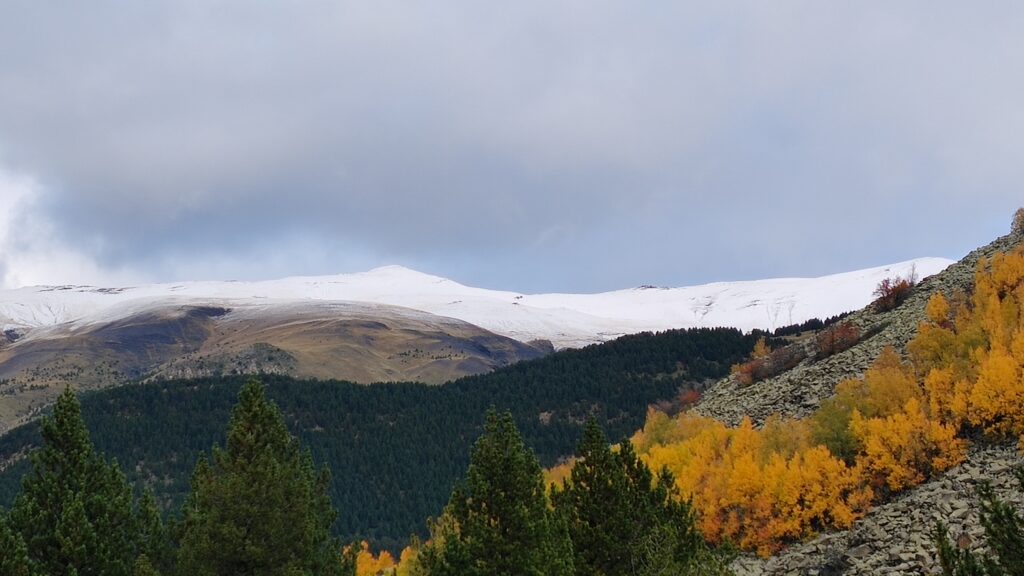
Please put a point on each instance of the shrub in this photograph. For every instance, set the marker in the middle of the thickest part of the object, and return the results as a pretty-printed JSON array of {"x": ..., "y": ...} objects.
[
  {"x": 747, "y": 373},
  {"x": 836, "y": 339},
  {"x": 765, "y": 364},
  {"x": 891, "y": 292},
  {"x": 783, "y": 359}
]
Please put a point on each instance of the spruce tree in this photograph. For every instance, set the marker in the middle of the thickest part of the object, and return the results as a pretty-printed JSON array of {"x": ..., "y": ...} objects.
[
  {"x": 498, "y": 521},
  {"x": 74, "y": 511},
  {"x": 623, "y": 520},
  {"x": 258, "y": 507}
]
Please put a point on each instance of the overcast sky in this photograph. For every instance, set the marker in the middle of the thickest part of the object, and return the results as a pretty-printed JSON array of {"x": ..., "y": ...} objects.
[{"x": 534, "y": 146}]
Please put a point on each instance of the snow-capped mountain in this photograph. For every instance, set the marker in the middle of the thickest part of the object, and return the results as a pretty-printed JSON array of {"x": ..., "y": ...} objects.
[{"x": 567, "y": 320}]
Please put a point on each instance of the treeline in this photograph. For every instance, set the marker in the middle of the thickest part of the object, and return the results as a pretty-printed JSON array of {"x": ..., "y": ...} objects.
[
  {"x": 397, "y": 449},
  {"x": 811, "y": 325},
  {"x": 905, "y": 421}
]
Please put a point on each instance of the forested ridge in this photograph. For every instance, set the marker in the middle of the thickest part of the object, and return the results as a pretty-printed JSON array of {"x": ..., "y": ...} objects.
[{"x": 395, "y": 450}]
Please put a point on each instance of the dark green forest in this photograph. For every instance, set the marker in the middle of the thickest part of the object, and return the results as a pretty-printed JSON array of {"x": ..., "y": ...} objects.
[{"x": 395, "y": 450}]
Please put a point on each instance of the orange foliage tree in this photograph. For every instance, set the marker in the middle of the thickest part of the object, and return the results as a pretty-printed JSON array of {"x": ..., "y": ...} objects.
[
  {"x": 903, "y": 449},
  {"x": 369, "y": 565},
  {"x": 971, "y": 351},
  {"x": 755, "y": 488}
]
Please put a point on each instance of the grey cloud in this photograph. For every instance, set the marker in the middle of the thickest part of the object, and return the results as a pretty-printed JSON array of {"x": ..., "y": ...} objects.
[{"x": 537, "y": 146}]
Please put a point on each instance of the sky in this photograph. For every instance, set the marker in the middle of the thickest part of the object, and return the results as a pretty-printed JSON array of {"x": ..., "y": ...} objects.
[{"x": 571, "y": 146}]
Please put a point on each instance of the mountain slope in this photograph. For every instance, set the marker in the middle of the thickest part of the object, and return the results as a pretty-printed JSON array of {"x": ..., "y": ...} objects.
[
  {"x": 354, "y": 341},
  {"x": 896, "y": 536}
]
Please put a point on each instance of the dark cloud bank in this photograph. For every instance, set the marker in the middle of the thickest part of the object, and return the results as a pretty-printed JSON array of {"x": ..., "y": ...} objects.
[{"x": 574, "y": 146}]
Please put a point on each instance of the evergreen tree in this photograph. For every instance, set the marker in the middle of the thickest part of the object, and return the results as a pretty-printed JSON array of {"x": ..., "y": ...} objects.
[
  {"x": 621, "y": 519},
  {"x": 258, "y": 507},
  {"x": 498, "y": 521},
  {"x": 74, "y": 512},
  {"x": 13, "y": 553},
  {"x": 1004, "y": 530},
  {"x": 143, "y": 567},
  {"x": 154, "y": 542}
]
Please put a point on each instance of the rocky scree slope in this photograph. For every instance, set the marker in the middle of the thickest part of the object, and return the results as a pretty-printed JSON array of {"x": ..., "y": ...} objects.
[
  {"x": 798, "y": 391},
  {"x": 895, "y": 537}
]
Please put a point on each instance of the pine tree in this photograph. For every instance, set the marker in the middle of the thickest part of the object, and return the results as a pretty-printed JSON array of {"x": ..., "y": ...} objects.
[
  {"x": 74, "y": 512},
  {"x": 143, "y": 567},
  {"x": 498, "y": 521},
  {"x": 13, "y": 553},
  {"x": 153, "y": 539},
  {"x": 623, "y": 520},
  {"x": 258, "y": 507}
]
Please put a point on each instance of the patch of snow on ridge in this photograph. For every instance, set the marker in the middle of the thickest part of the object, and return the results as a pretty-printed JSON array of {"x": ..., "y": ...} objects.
[{"x": 567, "y": 320}]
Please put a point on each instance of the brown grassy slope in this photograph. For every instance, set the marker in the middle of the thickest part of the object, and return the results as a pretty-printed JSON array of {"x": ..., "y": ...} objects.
[{"x": 349, "y": 341}]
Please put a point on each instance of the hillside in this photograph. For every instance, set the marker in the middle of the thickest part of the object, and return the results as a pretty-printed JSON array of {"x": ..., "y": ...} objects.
[
  {"x": 798, "y": 391},
  {"x": 346, "y": 340},
  {"x": 395, "y": 450},
  {"x": 895, "y": 537}
]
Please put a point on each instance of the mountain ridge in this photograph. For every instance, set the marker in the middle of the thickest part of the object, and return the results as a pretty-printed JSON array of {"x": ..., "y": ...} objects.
[{"x": 566, "y": 320}]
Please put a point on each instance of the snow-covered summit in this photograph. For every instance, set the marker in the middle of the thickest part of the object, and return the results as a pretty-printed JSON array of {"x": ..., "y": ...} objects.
[{"x": 566, "y": 320}]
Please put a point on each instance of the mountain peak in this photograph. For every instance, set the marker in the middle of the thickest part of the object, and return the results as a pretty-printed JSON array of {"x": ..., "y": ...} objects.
[
  {"x": 393, "y": 268},
  {"x": 398, "y": 270}
]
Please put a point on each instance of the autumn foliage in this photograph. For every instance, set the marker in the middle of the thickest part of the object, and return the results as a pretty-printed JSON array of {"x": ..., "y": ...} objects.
[
  {"x": 756, "y": 488},
  {"x": 765, "y": 362},
  {"x": 835, "y": 339},
  {"x": 971, "y": 351},
  {"x": 897, "y": 426},
  {"x": 891, "y": 292},
  {"x": 762, "y": 488},
  {"x": 367, "y": 564}
]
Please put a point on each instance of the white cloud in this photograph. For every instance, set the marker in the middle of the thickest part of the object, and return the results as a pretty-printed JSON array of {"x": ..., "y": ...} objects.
[{"x": 30, "y": 252}]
